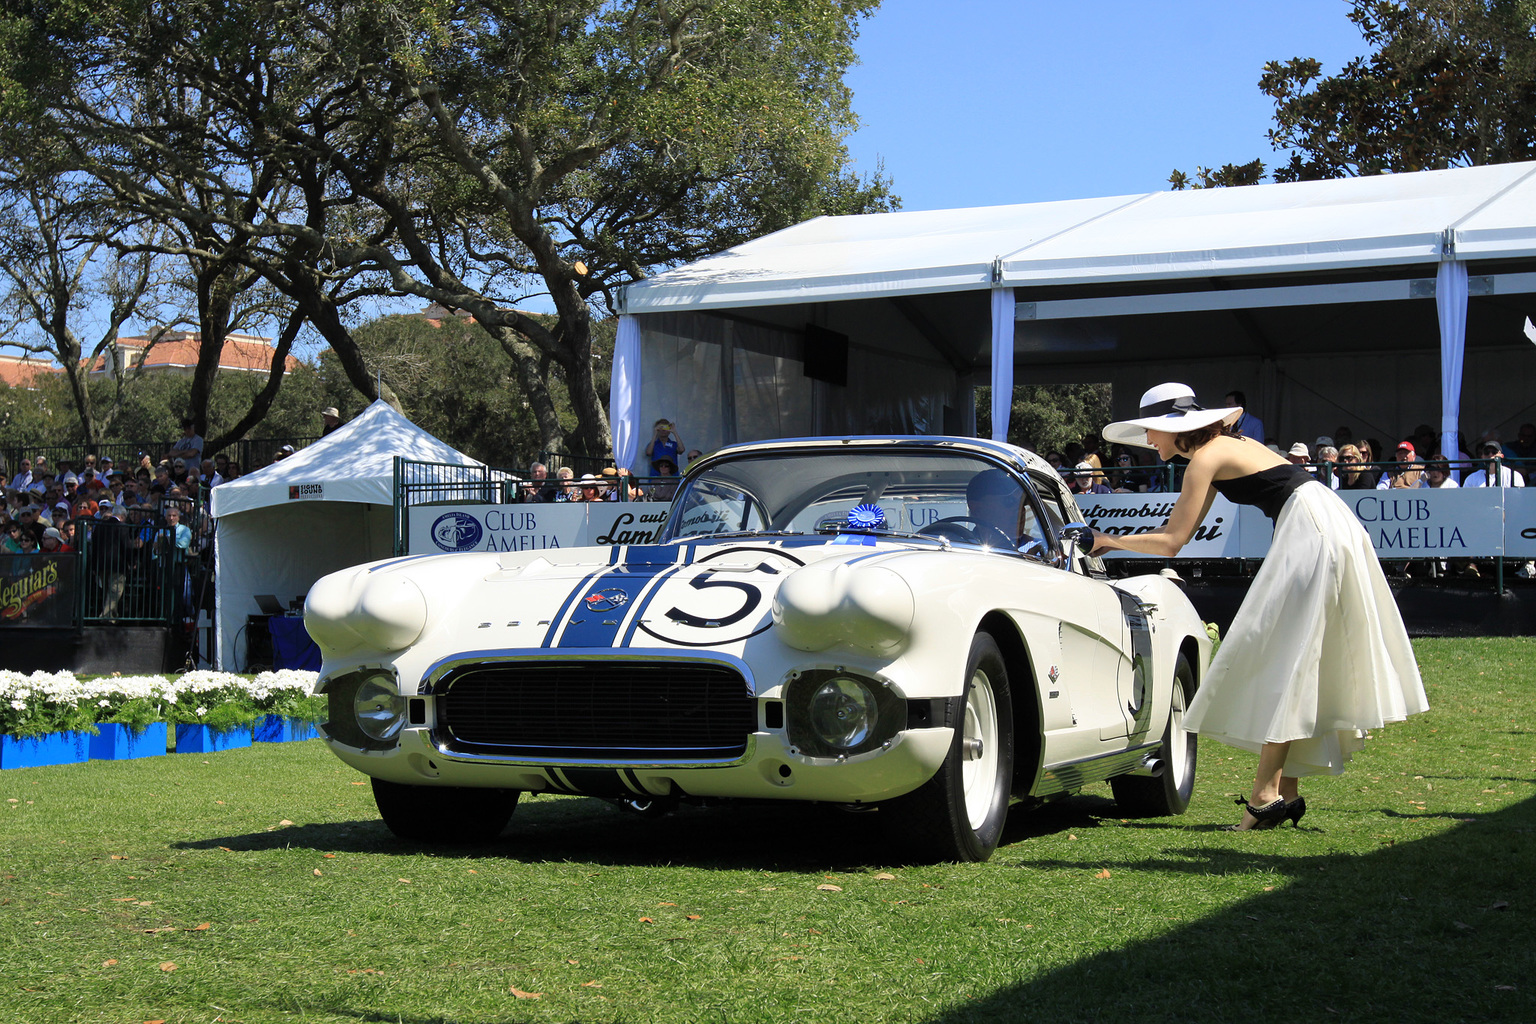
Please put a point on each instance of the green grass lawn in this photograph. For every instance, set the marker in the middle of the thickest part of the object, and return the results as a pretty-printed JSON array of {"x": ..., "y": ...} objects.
[{"x": 258, "y": 885}]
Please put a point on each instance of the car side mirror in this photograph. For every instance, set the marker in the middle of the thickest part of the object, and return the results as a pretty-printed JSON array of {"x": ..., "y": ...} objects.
[{"x": 1080, "y": 535}]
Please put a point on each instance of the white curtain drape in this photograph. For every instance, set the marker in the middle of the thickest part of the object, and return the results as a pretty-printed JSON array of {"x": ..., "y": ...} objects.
[
  {"x": 1451, "y": 305},
  {"x": 624, "y": 393},
  {"x": 1002, "y": 361}
]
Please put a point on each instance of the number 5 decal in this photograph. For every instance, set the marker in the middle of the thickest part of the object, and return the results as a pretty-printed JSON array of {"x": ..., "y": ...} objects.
[{"x": 705, "y": 581}]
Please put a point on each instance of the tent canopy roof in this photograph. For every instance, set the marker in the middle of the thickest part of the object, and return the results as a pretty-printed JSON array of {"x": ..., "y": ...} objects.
[
  {"x": 355, "y": 462},
  {"x": 1484, "y": 213}
]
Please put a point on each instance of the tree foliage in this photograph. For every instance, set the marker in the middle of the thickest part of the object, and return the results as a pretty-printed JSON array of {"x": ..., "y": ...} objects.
[
  {"x": 1448, "y": 83},
  {"x": 56, "y": 263},
  {"x": 1048, "y": 417},
  {"x": 472, "y": 153},
  {"x": 152, "y": 409}
]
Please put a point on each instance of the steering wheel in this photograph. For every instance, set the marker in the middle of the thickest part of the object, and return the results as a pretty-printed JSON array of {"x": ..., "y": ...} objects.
[{"x": 977, "y": 532}]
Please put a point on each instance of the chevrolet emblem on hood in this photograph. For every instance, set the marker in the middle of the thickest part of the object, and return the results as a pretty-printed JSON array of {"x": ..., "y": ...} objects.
[{"x": 602, "y": 600}]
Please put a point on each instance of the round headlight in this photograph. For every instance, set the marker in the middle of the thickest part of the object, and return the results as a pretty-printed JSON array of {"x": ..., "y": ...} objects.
[
  {"x": 379, "y": 708},
  {"x": 843, "y": 712}
]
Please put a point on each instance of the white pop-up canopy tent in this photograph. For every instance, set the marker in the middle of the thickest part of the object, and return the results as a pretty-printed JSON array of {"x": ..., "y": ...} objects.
[
  {"x": 321, "y": 509},
  {"x": 1360, "y": 301}
]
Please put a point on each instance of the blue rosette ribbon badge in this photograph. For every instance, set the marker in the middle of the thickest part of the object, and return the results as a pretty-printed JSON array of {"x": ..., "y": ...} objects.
[
  {"x": 863, "y": 518},
  {"x": 866, "y": 517}
]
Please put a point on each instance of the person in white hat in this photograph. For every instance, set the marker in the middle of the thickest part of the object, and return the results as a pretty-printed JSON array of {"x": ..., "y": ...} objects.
[{"x": 1317, "y": 652}]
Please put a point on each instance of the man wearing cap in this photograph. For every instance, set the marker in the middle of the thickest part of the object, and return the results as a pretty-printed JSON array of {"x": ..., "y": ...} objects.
[
  {"x": 1408, "y": 472},
  {"x": 1299, "y": 456},
  {"x": 330, "y": 417},
  {"x": 1494, "y": 473}
]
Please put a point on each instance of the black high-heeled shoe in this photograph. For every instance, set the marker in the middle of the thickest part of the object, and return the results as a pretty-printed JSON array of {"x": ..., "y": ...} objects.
[
  {"x": 1294, "y": 809},
  {"x": 1268, "y": 816}
]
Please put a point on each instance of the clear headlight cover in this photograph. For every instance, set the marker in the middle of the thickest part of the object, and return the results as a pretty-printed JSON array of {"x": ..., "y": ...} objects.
[
  {"x": 379, "y": 708},
  {"x": 844, "y": 713}
]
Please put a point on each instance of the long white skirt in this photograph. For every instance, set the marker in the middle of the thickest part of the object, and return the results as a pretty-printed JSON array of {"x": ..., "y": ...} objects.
[{"x": 1317, "y": 652}]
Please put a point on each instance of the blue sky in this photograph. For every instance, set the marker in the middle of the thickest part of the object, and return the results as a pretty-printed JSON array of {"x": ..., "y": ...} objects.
[{"x": 987, "y": 102}]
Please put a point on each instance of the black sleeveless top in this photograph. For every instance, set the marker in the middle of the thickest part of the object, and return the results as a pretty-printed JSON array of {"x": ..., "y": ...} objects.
[{"x": 1267, "y": 489}]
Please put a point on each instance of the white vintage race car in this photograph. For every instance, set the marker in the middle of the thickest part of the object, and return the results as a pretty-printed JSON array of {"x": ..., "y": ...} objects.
[{"x": 906, "y": 623}]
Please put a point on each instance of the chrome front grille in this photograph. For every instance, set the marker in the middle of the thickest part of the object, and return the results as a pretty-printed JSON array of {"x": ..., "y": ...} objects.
[{"x": 596, "y": 710}]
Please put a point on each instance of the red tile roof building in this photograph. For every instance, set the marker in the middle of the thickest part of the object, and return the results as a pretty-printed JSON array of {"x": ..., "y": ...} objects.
[
  {"x": 21, "y": 372},
  {"x": 175, "y": 352}
]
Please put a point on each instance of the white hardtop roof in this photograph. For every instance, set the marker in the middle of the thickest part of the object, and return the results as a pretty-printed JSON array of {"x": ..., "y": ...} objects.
[
  {"x": 1484, "y": 212},
  {"x": 355, "y": 462},
  {"x": 1000, "y": 450}
]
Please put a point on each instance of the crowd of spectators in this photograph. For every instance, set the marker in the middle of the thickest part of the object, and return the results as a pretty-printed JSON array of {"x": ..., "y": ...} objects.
[
  {"x": 664, "y": 453},
  {"x": 1342, "y": 460},
  {"x": 128, "y": 519},
  {"x": 144, "y": 528}
]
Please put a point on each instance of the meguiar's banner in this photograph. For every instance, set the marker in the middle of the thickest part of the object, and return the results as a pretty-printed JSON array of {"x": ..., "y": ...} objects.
[{"x": 37, "y": 590}]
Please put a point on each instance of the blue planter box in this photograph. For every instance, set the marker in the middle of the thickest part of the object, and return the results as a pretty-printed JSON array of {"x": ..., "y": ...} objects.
[
  {"x": 121, "y": 743},
  {"x": 199, "y": 739},
  {"x": 278, "y": 729},
  {"x": 47, "y": 749}
]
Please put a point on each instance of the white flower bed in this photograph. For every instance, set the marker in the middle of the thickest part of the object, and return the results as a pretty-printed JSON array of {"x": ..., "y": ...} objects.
[{"x": 57, "y": 701}]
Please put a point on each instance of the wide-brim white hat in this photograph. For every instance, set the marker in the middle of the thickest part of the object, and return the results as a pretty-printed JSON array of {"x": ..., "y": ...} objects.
[{"x": 1170, "y": 407}]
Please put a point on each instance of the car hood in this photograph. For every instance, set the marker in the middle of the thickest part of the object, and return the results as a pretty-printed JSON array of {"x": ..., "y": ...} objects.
[{"x": 717, "y": 594}]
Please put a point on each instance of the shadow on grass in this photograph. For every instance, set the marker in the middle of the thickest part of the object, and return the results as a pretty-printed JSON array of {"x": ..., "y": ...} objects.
[
  {"x": 770, "y": 835},
  {"x": 1425, "y": 931}
]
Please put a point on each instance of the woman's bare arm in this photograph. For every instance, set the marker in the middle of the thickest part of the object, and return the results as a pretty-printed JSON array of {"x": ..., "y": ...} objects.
[{"x": 1194, "y": 501}]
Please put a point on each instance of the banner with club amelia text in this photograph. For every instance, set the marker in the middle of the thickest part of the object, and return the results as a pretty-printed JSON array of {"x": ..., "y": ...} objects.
[
  {"x": 1409, "y": 523},
  {"x": 1412, "y": 523},
  {"x": 439, "y": 529}
]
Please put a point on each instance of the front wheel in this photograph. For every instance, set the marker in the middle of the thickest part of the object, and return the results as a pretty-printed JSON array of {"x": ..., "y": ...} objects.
[
  {"x": 1143, "y": 796},
  {"x": 444, "y": 814},
  {"x": 959, "y": 813}
]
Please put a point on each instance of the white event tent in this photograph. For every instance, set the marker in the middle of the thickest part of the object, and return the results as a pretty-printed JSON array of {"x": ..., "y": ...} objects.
[
  {"x": 323, "y": 508},
  {"x": 1376, "y": 302}
]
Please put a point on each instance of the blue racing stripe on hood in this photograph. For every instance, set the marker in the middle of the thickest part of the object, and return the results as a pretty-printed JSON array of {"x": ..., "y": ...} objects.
[
  {"x": 595, "y": 619},
  {"x": 579, "y": 590}
]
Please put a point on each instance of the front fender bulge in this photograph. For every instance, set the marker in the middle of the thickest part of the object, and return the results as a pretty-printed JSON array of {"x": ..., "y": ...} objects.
[
  {"x": 359, "y": 609},
  {"x": 866, "y": 607}
]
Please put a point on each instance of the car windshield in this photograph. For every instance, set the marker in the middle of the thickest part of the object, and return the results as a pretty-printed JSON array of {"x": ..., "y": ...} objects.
[{"x": 946, "y": 494}]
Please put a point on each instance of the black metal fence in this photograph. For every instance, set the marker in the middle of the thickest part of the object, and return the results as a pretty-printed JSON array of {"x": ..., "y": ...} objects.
[{"x": 125, "y": 455}]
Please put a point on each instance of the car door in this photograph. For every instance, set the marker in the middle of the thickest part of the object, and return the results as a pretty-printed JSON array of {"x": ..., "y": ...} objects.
[{"x": 1092, "y": 633}]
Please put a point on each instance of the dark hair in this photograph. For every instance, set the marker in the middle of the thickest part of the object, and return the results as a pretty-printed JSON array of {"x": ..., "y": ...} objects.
[
  {"x": 1242, "y": 399},
  {"x": 1189, "y": 440}
]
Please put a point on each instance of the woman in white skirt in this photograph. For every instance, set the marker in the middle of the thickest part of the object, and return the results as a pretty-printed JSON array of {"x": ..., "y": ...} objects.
[{"x": 1317, "y": 652}]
